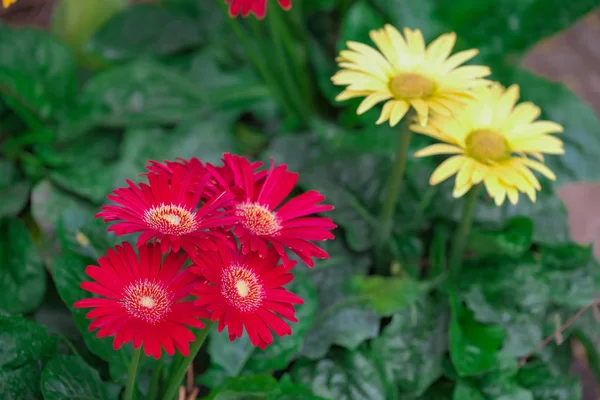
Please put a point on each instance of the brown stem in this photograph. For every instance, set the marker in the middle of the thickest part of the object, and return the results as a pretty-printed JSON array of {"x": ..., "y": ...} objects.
[{"x": 558, "y": 332}]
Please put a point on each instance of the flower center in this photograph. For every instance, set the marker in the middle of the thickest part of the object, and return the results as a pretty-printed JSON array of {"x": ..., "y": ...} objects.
[
  {"x": 170, "y": 219},
  {"x": 258, "y": 219},
  {"x": 242, "y": 288},
  {"x": 148, "y": 301},
  {"x": 487, "y": 146},
  {"x": 410, "y": 85}
]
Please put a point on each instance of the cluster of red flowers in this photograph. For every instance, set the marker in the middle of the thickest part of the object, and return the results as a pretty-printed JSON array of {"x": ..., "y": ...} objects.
[{"x": 230, "y": 222}]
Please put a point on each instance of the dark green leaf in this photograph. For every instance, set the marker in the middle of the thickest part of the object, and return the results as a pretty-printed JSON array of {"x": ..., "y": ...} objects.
[
  {"x": 14, "y": 192},
  {"x": 411, "y": 348},
  {"x": 68, "y": 276},
  {"x": 92, "y": 180},
  {"x": 387, "y": 295},
  {"x": 40, "y": 56},
  {"x": 513, "y": 240},
  {"x": 134, "y": 33},
  {"x": 69, "y": 377},
  {"x": 136, "y": 94},
  {"x": 26, "y": 96},
  {"x": 293, "y": 391},
  {"x": 207, "y": 139},
  {"x": 246, "y": 387},
  {"x": 22, "y": 276},
  {"x": 473, "y": 346},
  {"x": 347, "y": 375},
  {"x": 25, "y": 348},
  {"x": 464, "y": 390},
  {"x": 342, "y": 319},
  {"x": 544, "y": 386}
]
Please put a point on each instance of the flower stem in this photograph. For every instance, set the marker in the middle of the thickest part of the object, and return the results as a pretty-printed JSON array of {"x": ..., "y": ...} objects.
[
  {"x": 386, "y": 218},
  {"x": 178, "y": 374},
  {"x": 463, "y": 231},
  {"x": 154, "y": 380},
  {"x": 132, "y": 374}
]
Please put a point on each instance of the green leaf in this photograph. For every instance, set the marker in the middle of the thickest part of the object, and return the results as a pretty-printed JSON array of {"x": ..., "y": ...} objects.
[
  {"x": 206, "y": 138},
  {"x": 342, "y": 320},
  {"x": 411, "y": 348},
  {"x": 464, "y": 390},
  {"x": 293, "y": 391},
  {"x": 135, "y": 32},
  {"x": 14, "y": 192},
  {"x": 387, "y": 295},
  {"x": 246, "y": 387},
  {"x": 346, "y": 375},
  {"x": 137, "y": 94},
  {"x": 513, "y": 240},
  {"x": 42, "y": 58},
  {"x": 69, "y": 273},
  {"x": 69, "y": 377},
  {"x": 473, "y": 346},
  {"x": 25, "y": 348},
  {"x": 26, "y": 96},
  {"x": 22, "y": 276},
  {"x": 545, "y": 386},
  {"x": 92, "y": 180}
]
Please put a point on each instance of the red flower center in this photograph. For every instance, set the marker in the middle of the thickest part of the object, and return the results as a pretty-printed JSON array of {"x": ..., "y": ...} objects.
[
  {"x": 171, "y": 219},
  {"x": 148, "y": 301},
  {"x": 242, "y": 288},
  {"x": 258, "y": 219}
]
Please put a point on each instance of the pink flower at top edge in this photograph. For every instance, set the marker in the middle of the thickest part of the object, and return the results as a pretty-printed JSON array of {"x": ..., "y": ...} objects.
[{"x": 256, "y": 7}]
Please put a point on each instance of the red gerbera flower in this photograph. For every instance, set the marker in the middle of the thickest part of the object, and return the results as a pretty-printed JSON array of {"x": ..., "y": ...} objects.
[
  {"x": 262, "y": 221},
  {"x": 245, "y": 291},
  {"x": 142, "y": 300},
  {"x": 256, "y": 7},
  {"x": 166, "y": 210}
]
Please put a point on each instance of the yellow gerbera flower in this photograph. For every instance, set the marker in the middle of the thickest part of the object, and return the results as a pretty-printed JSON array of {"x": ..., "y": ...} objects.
[
  {"x": 491, "y": 140},
  {"x": 6, "y": 3},
  {"x": 406, "y": 74}
]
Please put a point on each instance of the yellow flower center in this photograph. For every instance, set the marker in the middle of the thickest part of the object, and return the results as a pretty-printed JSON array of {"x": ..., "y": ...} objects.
[
  {"x": 242, "y": 288},
  {"x": 147, "y": 300},
  {"x": 259, "y": 220},
  {"x": 171, "y": 219},
  {"x": 410, "y": 85},
  {"x": 487, "y": 146}
]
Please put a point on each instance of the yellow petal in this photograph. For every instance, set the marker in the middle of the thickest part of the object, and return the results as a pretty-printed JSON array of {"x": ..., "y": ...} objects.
[
  {"x": 370, "y": 101},
  {"x": 386, "y": 112},
  {"x": 463, "y": 177},
  {"x": 398, "y": 112},
  {"x": 350, "y": 94},
  {"x": 541, "y": 168},
  {"x": 422, "y": 110},
  {"x": 513, "y": 195},
  {"x": 459, "y": 58},
  {"x": 459, "y": 191},
  {"x": 495, "y": 190},
  {"x": 446, "y": 169},
  {"x": 438, "y": 148},
  {"x": 441, "y": 47}
]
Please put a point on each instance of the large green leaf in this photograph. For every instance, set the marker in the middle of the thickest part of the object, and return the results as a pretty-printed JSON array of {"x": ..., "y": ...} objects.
[
  {"x": 464, "y": 390},
  {"x": 474, "y": 347},
  {"x": 22, "y": 276},
  {"x": 411, "y": 348},
  {"x": 69, "y": 377},
  {"x": 545, "y": 386},
  {"x": 14, "y": 192},
  {"x": 294, "y": 391},
  {"x": 68, "y": 276},
  {"x": 26, "y": 96},
  {"x": 346, "y": 375},
  {"x": 136, "y": 94},
  {"x": 342, "y": 320},
  {"x": 145, "y": 30},
  {"x": 25, "y": 348},
  {"x": 247, "y": 387},
  {"x": 387, "y": 295},
  {"x": 513, "y": 240},
  {"x": 42, "y": 58}
]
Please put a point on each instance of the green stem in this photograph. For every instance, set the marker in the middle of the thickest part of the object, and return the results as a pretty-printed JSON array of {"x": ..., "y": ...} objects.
[
  {"x": 462, "y": 233},
  {"x": 177, "y": 376},
  {"x": 154, "y": 380},
  {"x": 255, "y": 58},
  {"x": 134, "y": 367},
  {"x": 289, "y": 85},
  {"x": 386, "y": 218}
]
